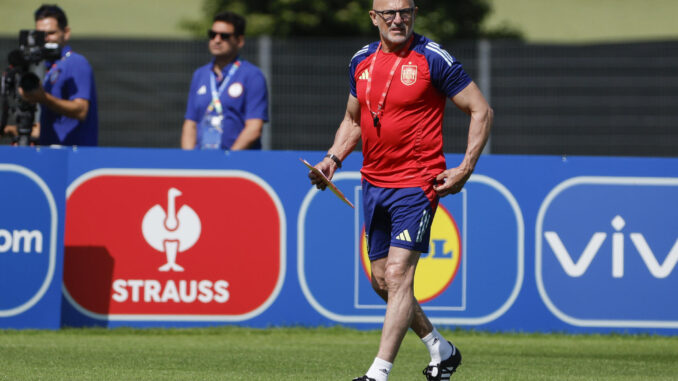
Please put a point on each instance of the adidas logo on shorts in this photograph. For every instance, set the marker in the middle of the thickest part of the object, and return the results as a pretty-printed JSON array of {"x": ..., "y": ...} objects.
[{"x": 404, "y": 236}]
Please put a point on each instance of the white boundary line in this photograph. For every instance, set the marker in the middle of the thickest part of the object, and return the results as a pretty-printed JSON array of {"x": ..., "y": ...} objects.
[
  {"x": 592, "y": 180},
  {"x": 188, "y": 173}
]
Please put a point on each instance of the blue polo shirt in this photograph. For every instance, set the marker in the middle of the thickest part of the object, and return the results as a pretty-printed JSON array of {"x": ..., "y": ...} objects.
[
  {"x": 244, "y": 97},
  {"x": 70, "y": 77}
]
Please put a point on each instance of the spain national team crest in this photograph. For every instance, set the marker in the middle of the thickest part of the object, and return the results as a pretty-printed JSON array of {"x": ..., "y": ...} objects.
[{"x": 408, "y": 74}]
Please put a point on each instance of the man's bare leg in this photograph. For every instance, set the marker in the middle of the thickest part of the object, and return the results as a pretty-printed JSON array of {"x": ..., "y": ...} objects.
[
  {"x": 419, "y": 322},
  {"x": 421, "y": 325},
  {"x": 399, "y": 268}
]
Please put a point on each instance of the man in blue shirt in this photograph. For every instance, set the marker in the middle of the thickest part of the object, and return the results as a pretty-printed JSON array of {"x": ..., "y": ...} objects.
[
  {"x": 68, "y": 95},
  {"x": 228, "y": 99}
]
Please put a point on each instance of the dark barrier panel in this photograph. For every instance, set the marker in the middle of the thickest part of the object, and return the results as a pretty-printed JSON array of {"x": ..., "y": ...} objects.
[
  {"x": 533, "y": 243},
  {"x": 602, "y": 99}
]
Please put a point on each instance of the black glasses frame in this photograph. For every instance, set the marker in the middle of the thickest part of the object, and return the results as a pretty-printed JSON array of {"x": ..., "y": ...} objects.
[
  {"x": 389, "y": 14},
  {"x": 224, "y": 36}
]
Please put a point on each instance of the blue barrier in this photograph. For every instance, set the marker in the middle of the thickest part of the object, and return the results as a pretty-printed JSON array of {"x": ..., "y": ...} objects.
[
  {"x": 176, "y": 238},
  {"x": 32, "y": 185}
]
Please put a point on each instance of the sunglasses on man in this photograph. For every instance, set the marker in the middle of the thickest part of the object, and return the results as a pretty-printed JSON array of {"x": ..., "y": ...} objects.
[{"x": 224, "y": 36}]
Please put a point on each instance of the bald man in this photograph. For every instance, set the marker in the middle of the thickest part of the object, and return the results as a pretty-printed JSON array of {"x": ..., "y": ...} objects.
[{"x": 399, "y": 86}]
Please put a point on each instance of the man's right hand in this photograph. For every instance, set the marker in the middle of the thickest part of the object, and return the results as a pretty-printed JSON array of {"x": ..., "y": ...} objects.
[{"x": 327, "y": 167}]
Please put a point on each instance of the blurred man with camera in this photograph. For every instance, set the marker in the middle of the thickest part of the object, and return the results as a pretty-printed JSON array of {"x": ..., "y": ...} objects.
[
  {"x": 67, "y": 96},
  {"x": 227, "y": 100}
]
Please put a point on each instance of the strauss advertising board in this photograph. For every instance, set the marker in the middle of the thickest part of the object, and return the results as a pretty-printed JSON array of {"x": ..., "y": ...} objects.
[{"x": 172, "y": 245}]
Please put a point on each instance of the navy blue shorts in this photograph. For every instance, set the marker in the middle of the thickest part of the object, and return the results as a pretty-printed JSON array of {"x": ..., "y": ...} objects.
[{"x": 399, "y": 217}]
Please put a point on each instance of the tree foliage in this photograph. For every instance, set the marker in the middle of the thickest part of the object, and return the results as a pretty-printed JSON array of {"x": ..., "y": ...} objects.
[{"x": 437, "y": 19}]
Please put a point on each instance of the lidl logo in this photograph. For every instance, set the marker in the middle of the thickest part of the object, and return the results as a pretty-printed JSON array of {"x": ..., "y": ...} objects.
[
  {"x": 436, "y": 269},
  {"x": 184, "y": 245}
]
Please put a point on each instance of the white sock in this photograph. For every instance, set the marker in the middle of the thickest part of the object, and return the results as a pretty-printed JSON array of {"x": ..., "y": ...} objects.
[
  {"x": 379, "y": 369},
  {"x": 438, "y": 347}
]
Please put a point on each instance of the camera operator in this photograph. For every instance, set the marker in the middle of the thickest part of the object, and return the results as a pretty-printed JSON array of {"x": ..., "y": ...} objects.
[{"x": 67, "y": 97}]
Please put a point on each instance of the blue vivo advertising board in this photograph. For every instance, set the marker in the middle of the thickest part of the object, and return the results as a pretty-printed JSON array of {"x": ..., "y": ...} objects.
[
  {"x": 606, "y": 248},
  {"x": 177, "y": 238}
]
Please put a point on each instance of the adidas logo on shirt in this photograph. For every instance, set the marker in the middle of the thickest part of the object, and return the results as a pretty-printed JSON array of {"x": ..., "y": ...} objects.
[
  {"x": 404, "y": 236},
  {"x": 202, "y": 90},
  {"x": 365, "y": 74}
]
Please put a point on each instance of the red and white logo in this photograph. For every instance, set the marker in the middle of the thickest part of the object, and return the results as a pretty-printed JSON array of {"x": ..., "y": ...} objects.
[
  {"x": 170, "y": 232},
  {"x": 408, "y": 74},
  {"x": 173, "y": 245}
]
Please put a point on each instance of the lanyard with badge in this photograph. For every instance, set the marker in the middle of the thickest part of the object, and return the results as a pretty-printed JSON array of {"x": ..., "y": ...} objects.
[
  {"x": 380, "y": 106},
  {"x": 211, "y": 124}
]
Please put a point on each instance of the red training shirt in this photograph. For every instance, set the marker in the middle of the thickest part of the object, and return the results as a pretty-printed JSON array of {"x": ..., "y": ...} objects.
[{"x": 406, "y": 148}]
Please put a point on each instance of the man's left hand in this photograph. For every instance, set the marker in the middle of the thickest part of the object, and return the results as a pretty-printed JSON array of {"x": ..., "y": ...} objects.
[
  {"x": 451, "y": 181},
  {"x": 34, "y": 96}
]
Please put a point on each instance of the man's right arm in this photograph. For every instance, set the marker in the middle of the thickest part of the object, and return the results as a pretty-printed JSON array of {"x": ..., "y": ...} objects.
[
  {"x": 189, "y": 133},
  {"x": 345, "y": 141},
  {"x": 75, "y": 109}
]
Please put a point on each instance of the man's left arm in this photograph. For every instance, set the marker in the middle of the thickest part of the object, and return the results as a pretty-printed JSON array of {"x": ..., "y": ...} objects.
[
  {"x": 256, "y": 111},
  {"x": 249, "y": 134},
  {"x": 472, "y": 102}
]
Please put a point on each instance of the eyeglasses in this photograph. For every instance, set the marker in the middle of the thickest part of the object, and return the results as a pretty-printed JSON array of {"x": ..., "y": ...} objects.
[
  {"x": 390, "y": 14},
  {"x": 224, "y": 36}
]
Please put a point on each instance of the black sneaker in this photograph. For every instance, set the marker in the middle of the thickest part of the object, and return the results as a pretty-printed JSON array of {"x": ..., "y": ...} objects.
[
  {"x": 364, "y": 378},
  {"x": 444, "y": 370}
]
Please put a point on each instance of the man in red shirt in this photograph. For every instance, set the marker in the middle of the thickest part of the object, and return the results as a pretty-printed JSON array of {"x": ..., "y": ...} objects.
[{"x": 399, "y": 86}]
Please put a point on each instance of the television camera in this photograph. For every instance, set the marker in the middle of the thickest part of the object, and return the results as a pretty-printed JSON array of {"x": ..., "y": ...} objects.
[{"x": 14, "y": 109}]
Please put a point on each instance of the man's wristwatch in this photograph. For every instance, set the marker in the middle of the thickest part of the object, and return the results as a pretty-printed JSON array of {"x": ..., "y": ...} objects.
[{"x": 334, "y": 158}]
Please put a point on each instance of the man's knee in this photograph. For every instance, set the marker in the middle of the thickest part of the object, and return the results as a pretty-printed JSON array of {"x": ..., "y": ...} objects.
[
  {"x": 397, "y": 275},
  {"x": 379, "y": 285}
]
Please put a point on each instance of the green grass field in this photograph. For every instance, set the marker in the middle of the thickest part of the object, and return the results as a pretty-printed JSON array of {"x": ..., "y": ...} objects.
[{"x": 232, "y": 353}]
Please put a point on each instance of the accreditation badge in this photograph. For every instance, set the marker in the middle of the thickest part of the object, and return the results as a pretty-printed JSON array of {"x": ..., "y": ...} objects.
[
  {"x": 216, "y": 122},
  {"x": 408, "y": 74}
]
